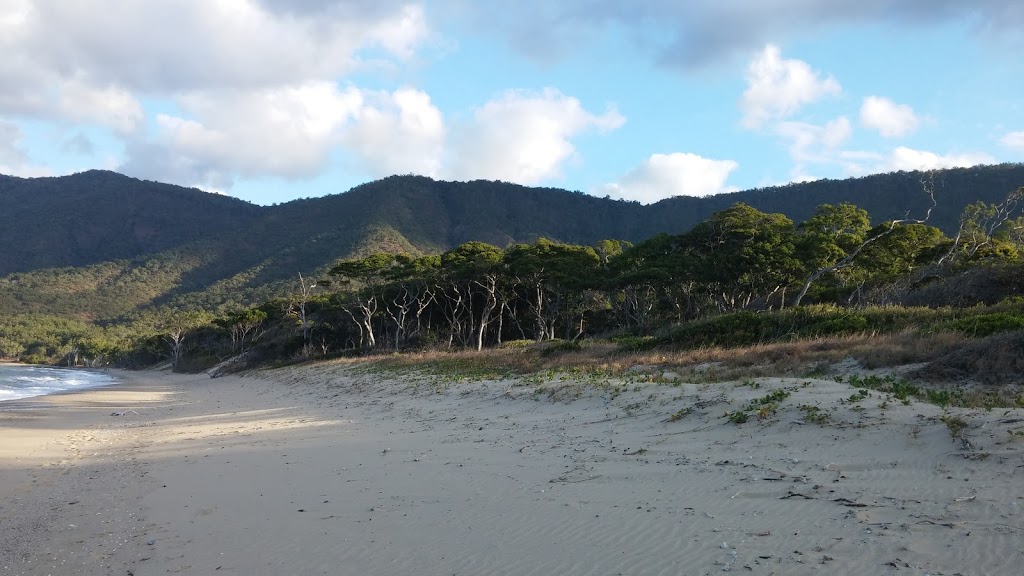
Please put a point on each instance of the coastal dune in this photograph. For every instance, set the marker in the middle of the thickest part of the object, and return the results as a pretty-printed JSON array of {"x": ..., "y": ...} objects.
[{"x": 342, "y": 469}]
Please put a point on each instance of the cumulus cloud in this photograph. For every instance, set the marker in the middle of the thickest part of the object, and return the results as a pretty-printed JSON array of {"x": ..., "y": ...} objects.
[
  {"x": 109, "y": 106},
  {"x": 287, "y": 131},
  {"x": 776, "y": 88},
  {"x": 903, "y": 158},
  {"x": 887, "y": 117},
  {"x": 1013, "y": 140},
  {"x": 293, "y": 132},
  {"x": 524, "y": 137},
  {"x": 398, "y": 133},
  {"x": 254, "y": 79},
  {"x": 182, "y": 45},
  {"x": 665, "y": 175}
]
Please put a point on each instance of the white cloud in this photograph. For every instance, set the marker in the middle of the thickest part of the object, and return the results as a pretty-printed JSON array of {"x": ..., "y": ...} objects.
[
  {"x": 287, "y": 132},
  {"x": 111, "y": 106},
  {"x": 861, "y": 162},
  {"x": 665, "y": 175},
  {"x": 399, "y": 133},
  {"x": 255, "y": 80},
  {"x": 524, "y": 137},
  {"x": 1013, "y": 140},
  {"x": 777, "y": 88},
  {"x": 903, "y": 158},
  {"x": 182, "y": 45},
  {"x": 810, "y": 144},
  {"x": 292, "y": 132},
  {"x": 888, "y": 118},
  {"x": 808, "y": 141}
]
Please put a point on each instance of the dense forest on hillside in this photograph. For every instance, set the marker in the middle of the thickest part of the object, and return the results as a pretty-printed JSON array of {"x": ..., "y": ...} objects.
[
  {"x": 740, "y": 276},
  {"x": 150, "y": 245},
  {"x": 100, "y": 216}
]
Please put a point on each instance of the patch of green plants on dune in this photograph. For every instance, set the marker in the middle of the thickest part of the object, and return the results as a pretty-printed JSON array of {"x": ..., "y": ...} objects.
[
  {"x": 815, "y": 415},
  {"x": 764, "y": 407}
]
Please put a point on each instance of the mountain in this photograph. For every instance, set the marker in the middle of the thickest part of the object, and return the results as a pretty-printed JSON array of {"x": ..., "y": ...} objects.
[
  {"x": 99, "y": 245},
  {"x": 98, "y": 216}
]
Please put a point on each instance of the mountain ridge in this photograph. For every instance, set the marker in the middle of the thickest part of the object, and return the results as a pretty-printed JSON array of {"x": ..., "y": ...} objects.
[{"x": 131, "y": 244}]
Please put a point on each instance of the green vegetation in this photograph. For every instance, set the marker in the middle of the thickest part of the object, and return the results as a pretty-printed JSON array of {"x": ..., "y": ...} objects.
[
  {"x": 382, "y": 278},
  {"x": 764, "y": 407},
  {"x": 815, "y": 415},
  {"x": 956, "y": 425},
  {"x": 166, "y": 245}
]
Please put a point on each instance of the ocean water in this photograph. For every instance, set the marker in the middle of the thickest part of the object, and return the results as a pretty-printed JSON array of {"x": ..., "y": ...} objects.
[{"x": 27, "y": 381}]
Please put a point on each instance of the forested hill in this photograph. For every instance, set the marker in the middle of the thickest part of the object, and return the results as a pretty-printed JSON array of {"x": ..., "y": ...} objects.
[
  {"x": 435, "y": 214},
  {"x": 98, "y": 215},
  {"x": 151, "y": 242},
  {"x": 884, "y": 196}
]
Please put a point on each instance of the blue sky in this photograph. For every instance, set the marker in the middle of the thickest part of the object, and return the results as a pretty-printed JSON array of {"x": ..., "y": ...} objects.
[{"x": 271, "y": 100}]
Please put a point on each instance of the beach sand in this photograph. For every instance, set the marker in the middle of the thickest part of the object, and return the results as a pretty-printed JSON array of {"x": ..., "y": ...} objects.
[{"x": 340, "y": 469}]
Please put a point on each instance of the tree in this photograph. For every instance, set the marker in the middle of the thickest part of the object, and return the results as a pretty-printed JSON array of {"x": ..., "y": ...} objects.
[
  {"x": 827, "y": 238},
  {"x": 410, "y": 290},
  {"x": 176, "y": 325},
  {"x": 366, "y": 276},
  {"x": 980, "y": 224},
  {"x": 741, "y": 254},
  {"x": 10, "y": 349},
  {"x": 644, "y": 271},
  {"x": 900, "y": 252},
  {"x": 247, "y": 324},
  {"x": 305, "y": 292},
  {"x": 477, "y": 267},
  {"x": 553, "y": 278},
  {"x": 851, "y": 254}
]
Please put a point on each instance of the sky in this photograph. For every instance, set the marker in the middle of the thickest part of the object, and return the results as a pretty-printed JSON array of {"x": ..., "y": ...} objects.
[{"x": 272, "y": 100}]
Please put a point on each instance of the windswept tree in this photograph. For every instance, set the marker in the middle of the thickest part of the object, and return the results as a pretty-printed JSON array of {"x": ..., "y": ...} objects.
[
  {"x": 553, "y": 279},
  {"x": 476, "y": 269},
  {"x": 245, "y": 325},
  {"x": 984, "y": 229},
  {"x": 365, "y": 277},
  {"x": 845, "y": 221},
  {"x": 176, "y": 327},
  {"x": 410, "y": 290},
  {"x": 827, "y": 242}
]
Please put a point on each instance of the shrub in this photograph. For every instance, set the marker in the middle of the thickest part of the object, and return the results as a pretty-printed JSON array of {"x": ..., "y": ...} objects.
[
  {"x": 561, "y": 346},
  {"x": 988, "y": 324}
]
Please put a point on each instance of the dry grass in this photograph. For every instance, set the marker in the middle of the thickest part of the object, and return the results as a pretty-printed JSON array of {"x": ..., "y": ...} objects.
[
  {"x": 995, "y": 360},
  {"x": 796, "y": 358},
  {"x": 949, "y": 361}
]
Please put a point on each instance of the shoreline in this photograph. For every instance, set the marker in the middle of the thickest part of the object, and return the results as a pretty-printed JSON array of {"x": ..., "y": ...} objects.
[
  {"x": 15, "y": 403},
  {"x": 329, "y": 468}
]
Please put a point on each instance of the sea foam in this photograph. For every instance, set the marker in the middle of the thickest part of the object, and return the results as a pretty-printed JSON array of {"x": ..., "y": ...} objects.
[{"x": 27, "y": 381}]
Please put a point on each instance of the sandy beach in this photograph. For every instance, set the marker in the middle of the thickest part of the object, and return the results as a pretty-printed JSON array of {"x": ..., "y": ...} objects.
[{"x": 335, "y": 469}]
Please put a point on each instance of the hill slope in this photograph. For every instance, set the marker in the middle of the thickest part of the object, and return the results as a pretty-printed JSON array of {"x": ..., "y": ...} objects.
[
  {"x": 98, "y": 216},
  {"x": 148, "y": 244}
]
